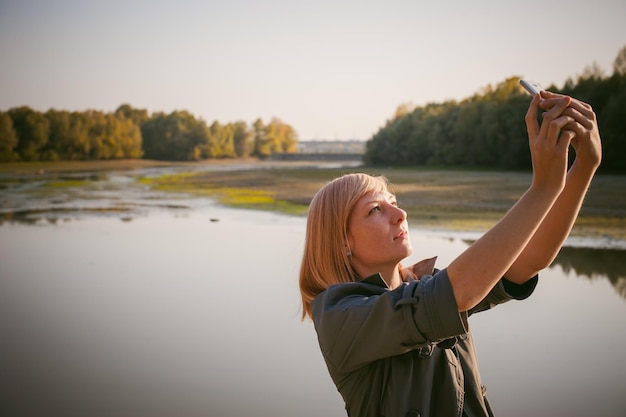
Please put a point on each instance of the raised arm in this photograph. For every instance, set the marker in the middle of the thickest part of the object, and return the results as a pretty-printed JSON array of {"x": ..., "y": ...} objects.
[
  {"x": 551, "y": 234},
  {"x": 481, "y": 266}
]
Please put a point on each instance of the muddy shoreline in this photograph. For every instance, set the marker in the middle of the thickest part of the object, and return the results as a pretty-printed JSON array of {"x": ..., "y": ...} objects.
[{"x": 452, "y": 200}]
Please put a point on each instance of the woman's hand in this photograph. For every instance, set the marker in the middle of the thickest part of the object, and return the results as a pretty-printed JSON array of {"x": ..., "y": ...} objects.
[
  {"x": 586, "y": 142},
  {"x": 554, "y": 229},
  {"x": 549, "y": 142}
]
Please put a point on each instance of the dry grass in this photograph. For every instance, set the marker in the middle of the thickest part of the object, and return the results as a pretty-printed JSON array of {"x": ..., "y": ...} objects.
[{"x": 451, "y": 199}]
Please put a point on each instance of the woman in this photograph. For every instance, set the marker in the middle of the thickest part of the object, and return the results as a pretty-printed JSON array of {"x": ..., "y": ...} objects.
[{"x": 396, "y": 340}]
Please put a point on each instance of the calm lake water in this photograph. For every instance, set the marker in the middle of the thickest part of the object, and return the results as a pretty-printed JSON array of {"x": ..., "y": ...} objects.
[{"x": 181, "y": 307}]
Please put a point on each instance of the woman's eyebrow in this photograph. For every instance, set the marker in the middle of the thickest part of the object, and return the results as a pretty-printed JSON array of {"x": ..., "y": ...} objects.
[{"x": 369, "y": 202}]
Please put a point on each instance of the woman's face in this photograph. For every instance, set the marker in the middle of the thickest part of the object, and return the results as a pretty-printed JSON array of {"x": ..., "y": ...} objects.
[{"x": 378, "y": 234}]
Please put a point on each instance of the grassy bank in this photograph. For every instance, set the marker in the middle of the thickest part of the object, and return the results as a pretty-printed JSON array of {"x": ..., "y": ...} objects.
[
  {"x": 465, "y": 200},
  {"x": 458, "y": 199}
]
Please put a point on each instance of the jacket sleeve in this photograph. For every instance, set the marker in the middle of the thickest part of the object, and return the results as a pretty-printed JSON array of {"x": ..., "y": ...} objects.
[
  {"x": 504, "y": 291},
  {"x": 358, "y": 323}
]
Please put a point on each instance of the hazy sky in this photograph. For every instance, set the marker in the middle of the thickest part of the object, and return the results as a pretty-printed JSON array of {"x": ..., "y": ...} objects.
[{"x": 332, "y": 69}]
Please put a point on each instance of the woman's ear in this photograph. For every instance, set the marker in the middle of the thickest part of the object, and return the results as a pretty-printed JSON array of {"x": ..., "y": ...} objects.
[{"x": 347, "y": 244}]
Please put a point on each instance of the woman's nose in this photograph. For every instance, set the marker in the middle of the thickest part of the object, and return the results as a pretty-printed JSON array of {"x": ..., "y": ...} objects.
[{"x": 399, "y": 215}]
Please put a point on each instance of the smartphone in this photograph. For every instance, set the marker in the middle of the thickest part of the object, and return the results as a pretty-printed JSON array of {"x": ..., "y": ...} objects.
[{"x": 531, "y": 86}]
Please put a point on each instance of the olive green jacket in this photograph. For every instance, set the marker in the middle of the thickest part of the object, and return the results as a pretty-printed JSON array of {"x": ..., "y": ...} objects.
[{"x": 407, "y": 351}]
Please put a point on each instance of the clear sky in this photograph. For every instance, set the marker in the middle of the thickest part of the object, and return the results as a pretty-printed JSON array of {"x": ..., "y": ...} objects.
[{"x": 332, "y": 69}]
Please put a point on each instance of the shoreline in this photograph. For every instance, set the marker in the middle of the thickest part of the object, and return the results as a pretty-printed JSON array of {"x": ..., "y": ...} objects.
[{"x": 462, "y": 202}]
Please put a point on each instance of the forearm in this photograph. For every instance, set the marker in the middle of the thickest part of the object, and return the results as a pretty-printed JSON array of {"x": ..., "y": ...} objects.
[
  {"x": 545, "y": 244},
  {"x": 532, "y": 232},
  {"x": 481, "y": 266}
]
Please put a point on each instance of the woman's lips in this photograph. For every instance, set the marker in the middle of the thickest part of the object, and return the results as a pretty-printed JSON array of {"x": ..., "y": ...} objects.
[{"x": 402, "y": 235}]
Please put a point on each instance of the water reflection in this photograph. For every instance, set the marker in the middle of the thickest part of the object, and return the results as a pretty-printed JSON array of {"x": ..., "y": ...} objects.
[
  {"x": 175, "y": 313},
  {"x": 596, "y": 264},
  {"x": 118, "y": 300},
  {"x": 63, "y": 197},
  {"x": 585, "y": 262}
]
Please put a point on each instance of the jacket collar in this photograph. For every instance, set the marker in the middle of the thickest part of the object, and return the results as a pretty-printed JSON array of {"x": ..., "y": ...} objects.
[
  {"x": 419, "y": 269},
  {"x": 375, "y": 279}
]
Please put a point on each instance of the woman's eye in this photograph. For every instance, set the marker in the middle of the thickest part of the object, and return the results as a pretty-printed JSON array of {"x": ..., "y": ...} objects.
[{"x": 374, "y": 209}]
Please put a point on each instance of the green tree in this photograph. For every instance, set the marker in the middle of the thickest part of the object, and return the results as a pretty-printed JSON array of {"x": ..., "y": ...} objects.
[
  {"x": 221, "y": 141},
  {"x": 488, "y": 128},
  {"x": 8, "y": 138},
  {"x": 178, "y": 136},
  {"x": 261, "y": 142},
  {"x": 68, "y": 138},
  {"x": 284, "y": 136},
  {"x": 441, "y": 138},
  {"x": 612, "y": 125},
  {"x": 126, "y": 135},
  {"x": 112, "y": 137},
  {"x": 32, "y": 129},
  {"x": 138, "y": 116},
  {"x": 275, "y": 137},
  {"x": 58, "y": 137},
  {"x": 101, "y": 145},
  {"x": 243, "y": 138}
]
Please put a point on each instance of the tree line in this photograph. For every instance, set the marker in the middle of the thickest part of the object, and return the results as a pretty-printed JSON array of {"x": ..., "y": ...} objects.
[
  {"x": 484, "y": 130},
  {"x": 30, "y": 135},
  {"x": 488, "y": 129}
]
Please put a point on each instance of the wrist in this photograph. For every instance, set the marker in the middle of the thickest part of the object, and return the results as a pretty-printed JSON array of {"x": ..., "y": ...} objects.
[
  {"x": 583, "y": 167},
  {"x": 546, "y": 190}
]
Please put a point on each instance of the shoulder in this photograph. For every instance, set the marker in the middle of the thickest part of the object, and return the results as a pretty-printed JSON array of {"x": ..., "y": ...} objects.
[{"x": 368, "y": 287}]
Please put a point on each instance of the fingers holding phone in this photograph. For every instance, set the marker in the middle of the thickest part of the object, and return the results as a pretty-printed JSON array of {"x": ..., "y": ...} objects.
[
  {"x": 586, "y": 140},
  {"x": 549, "y": 141}
]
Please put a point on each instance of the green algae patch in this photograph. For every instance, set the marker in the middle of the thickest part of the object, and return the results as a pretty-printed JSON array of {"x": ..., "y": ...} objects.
[
  {"x": 256, "y": 199},
  {"x": 238, "y": 197},
  {"x": 245, "y": 197}
]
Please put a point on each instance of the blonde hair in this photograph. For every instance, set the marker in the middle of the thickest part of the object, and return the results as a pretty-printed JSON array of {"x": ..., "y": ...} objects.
[{"x": 325, "y": 260}]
